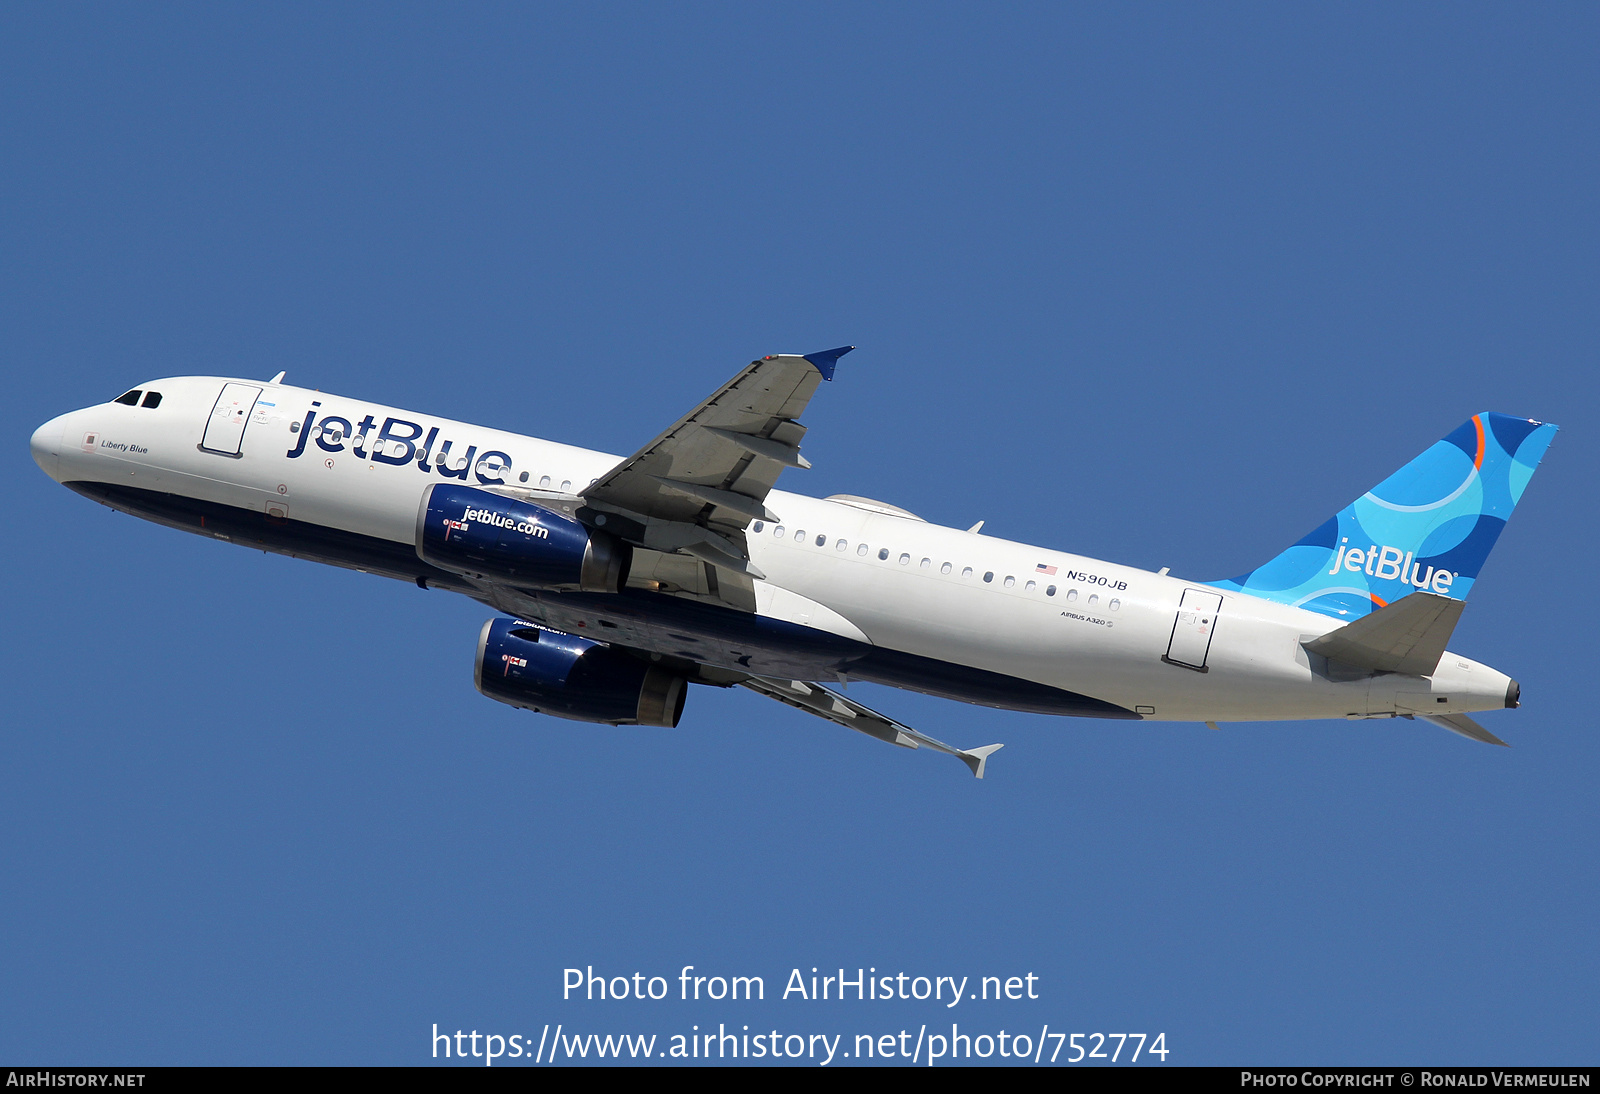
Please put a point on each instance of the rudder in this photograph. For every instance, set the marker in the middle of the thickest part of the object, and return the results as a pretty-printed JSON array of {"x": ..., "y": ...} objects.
[{"x": 1429, "y": 526}]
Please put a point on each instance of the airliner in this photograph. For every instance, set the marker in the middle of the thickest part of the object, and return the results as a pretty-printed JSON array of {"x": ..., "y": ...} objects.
[{"x": 622, "y": 581}]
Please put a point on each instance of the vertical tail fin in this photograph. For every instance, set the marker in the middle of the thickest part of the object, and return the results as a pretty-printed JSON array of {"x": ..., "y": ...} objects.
[{"x": 1429, "y": 526}]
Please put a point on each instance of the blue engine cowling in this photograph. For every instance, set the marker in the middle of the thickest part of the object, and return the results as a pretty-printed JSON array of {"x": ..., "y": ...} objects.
[
  {"x": 555, "y": 673},
  {"x": 474, "y": 532}
]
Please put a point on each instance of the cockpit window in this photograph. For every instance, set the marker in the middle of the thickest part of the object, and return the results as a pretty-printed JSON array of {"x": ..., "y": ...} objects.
[
  {"x": 152, "y": 399},
  {"x": 130, "y": 399}
]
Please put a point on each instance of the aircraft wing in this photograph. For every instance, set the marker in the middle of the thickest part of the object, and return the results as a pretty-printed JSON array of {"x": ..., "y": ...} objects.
[
  {"x": 692, "y": 491},
  {"x": 1460, "y": 723},
  {"x": 826, "y": 703}
]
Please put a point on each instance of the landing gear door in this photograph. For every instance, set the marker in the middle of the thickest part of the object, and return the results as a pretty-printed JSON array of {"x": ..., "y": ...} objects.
[
  {"x": 1192, "y": 630},
  {"x": 225, "y": 428}
]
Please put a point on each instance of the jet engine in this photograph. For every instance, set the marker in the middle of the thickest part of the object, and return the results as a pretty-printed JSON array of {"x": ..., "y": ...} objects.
[
  {"x": 474, "y": 532},
  {"x": 570, "y": 677}
]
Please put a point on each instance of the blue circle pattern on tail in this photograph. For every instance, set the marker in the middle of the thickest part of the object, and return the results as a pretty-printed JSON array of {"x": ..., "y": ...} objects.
[{"x": 1429, "y": 526}]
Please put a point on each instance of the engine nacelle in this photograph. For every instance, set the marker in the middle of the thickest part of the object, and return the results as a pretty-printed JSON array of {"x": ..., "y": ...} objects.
[
  {"x": 570, "y": 677},
  {"x": 474, "y": 532}
]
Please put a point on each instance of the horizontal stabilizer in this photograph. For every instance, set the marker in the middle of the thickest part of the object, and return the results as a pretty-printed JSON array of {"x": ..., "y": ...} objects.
[
  {"x": 1407, "y": 636},
  {"x": 1460, "y": 723}
]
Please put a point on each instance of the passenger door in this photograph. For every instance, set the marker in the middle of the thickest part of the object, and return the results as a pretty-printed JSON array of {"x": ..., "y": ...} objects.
[
  {"x": 1192, "y": 630},
  {"x": 225, "y": 428}
]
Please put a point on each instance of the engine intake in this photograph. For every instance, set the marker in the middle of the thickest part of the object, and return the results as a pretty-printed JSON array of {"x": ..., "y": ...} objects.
[
  {"x": 473, "y": 532},
  {"x": 551, "y": 672}
]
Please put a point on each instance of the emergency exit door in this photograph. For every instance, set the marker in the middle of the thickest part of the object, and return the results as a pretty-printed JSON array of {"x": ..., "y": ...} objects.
[
  {"x": 1192, "y": 629},
  {"x": 225, "y": 428}
]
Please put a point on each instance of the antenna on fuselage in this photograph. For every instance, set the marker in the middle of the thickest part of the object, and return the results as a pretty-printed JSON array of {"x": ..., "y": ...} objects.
[{"x": 278, "y": 379}]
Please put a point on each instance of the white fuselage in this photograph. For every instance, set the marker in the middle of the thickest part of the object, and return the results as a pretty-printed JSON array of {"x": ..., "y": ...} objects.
[{"x": 1093, "y": 628}]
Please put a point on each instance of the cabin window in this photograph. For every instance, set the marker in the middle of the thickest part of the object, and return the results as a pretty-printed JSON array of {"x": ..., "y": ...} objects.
[
  {"x": 822, "y": 541},
  {"x": 152, "y": 399},
  {"x": 905, "y": 560},
  {"x": 1051, "y": 591},
  {"x": 966, "y": 571},
  {"x": 863, "y": 549},
  {"x": 129, "y": 399},
  {"x": 1115, "y": 605},
  {"x": 883, "y": 553},
  {"x": 778, "y": 530},
  {"x": 544, "y": 482},
  {"x": 566, "y": 486},
  {"x": 799, "y": 535},
  {"x": 1009, "y": 581},
  {"x": 522, "y": 477},
  {"x": 944, "y": 569},
  {"x": 842, "y": 545},
  {"x": 1094, "y": 598},
  {"x": 757, "y": 526},
  {"x": 988, "y": 575},
  {"x": 925, "y": 563},
  {"x": 1072, "y": 594},
  {"x": 1030, "y": 586}
]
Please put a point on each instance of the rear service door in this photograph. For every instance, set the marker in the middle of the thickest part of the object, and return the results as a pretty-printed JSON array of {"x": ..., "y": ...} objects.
[
  {"x": 225, "y": 429},
  {"x": 1192, "y": 630}
]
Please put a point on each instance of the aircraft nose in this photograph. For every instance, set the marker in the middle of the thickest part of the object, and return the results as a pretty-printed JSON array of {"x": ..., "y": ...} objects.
[{"x": 46, "y": 447}]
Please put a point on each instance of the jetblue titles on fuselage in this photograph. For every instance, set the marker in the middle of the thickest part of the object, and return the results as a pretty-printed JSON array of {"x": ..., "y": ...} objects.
[{"x": 396, "y": 444}]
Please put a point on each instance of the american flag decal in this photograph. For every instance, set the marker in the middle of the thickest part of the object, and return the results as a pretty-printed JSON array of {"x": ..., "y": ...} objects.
[{"x": 1043, "y": 569}]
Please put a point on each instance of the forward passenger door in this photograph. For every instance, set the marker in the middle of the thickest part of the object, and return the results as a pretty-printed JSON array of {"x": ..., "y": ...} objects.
[{"x": 225, "y": 428}]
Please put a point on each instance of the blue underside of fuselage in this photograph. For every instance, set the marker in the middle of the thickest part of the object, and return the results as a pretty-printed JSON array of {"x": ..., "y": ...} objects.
[{"x": 667, "y": 624}]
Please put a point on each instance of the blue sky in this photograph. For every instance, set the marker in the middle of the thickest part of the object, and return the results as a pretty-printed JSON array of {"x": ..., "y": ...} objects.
[{"x": 1167, "y": 285}]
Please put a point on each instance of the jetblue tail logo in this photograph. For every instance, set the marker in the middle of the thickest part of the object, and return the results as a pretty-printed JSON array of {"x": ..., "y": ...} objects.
[
  {"x": 1387, "y": 563},
  {"x": 1429, "y": 526}
]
